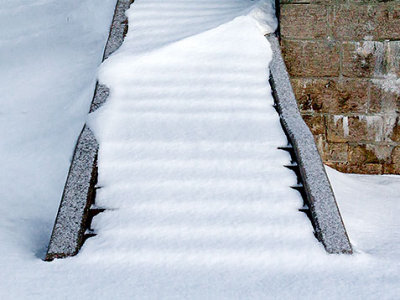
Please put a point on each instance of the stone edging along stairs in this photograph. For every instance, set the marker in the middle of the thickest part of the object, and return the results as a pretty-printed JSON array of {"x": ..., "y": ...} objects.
[
  {"x": 77, "y": 208},
  {"x": 324, "y": 212},
  {"x": 72, "y": 224}
]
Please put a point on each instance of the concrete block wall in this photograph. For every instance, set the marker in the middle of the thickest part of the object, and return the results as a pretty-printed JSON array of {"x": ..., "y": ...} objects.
[{"x": 343, "y": 57}]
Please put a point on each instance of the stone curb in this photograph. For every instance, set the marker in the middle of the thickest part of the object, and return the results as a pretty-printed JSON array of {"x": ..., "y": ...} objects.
[
  {"x": 74, "y": 212},
  {"x": 325, "y": 213},
  {"x": 78, "y": 195}
]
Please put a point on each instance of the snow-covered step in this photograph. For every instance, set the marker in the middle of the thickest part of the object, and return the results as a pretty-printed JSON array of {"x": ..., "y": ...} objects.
[
  {"x": 123, "y": 195},
  {"x": 142, "y": 170},
  {"x": 158, "y": 23},
  {"x": 156, "y": 150},
  {"x": 200, "y": 261},
  {"x": 189, "y": 164},
  {"x": 183, "y": 106},
  {"x": 191, "y": 119},
  {"x": 171, "y": 128},
  {"x": 256, "y": 208}
]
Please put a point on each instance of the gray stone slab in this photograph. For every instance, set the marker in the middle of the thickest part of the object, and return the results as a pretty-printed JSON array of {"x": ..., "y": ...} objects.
[
  {"x": 116, "y": 37},
  {"x": 118, "y": 28},
  {"x": 101, "y": 94},
  {"x": 68, "y": 231},
  {"x": 79, "y": 191},
  {"x": 325, "y": 213}
]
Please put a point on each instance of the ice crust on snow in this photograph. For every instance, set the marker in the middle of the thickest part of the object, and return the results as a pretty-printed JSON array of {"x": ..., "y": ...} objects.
[{"x": 56, "y": 67}]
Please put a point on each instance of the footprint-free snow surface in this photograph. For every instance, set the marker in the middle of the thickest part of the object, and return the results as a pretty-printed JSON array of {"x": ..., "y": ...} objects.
[
  {"x": 198, "y": 201},
  {"x": 189, "y": 166}
]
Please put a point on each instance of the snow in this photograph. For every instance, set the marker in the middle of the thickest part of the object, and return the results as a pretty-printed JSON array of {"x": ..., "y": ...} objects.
[
  {"x": 372, "y": 215},
  {"x": 190, "y": 130},
  {"x": 205, "y": 99},
  {"x": 49, "y": 52}
]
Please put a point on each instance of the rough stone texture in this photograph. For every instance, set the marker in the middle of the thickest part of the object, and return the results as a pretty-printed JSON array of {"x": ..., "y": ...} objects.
[
  {"x": 119, "y": 28},
  {"x": 68, "y": 231},
  {"x": 325, "y": 214},
  {"x": 71, "y": 221},
  {"x": 394, "y": 165},
  {"x": 101, "y": 94},
  {"x": 294, "y": 56},
  {"x": 343, "y": 57},
  {"x": 304, "y": 21},
  {"x": 338, "y": 96},
  {"x": 362, "y": 59},
  {"x": 325, "y": 60}
]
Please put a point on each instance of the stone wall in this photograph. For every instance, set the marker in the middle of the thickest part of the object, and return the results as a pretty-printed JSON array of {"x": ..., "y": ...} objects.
[{"x": 344, "y": 60}]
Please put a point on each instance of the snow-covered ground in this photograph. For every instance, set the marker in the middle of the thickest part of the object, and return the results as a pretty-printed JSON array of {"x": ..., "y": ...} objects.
[
  {"x": 189, "y": 118},
  {"x": 49, "y": 52}
]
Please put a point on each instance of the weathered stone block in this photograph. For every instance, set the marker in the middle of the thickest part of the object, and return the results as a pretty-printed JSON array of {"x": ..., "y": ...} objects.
[
  {"x": 365, "y": 128},
  {"x": 381, "y": 99},
  {"x": 337, "y": 128},
  {"x": 363, "y": 59},
  {"x": 366, "y": 169},
  {"x": 391, "y": 169},
  {"x": 375, "y": 99},
  {"x": 316, "y": 123},
  {"x": 331, "y": 95},
  {"x": 282, "y": 2},
  {"x": 392, "y": 128},
  {"x": 337, "y": 152},
  {"x": 360, "y": 169},
  {"x": 322, "y": 58},
  {"x": 393, "y": 57},
  {"x": 358, "y": 22},
  {"x": 393, "y": 166},
  {"x": 368, "y": 1},
  {"x": 354, "y": 128},
  {"x": 309, "y": 93},
  {"x": 393, "y": 26},
  {"x": 293, "y": 55},
  {"x": 304, "y": 21},
  {"x": 396, "y": 155},
  {"x": 369, "y": 154},
  {"x": 351, "y": 96},
  {"x": 344, "y": 73},
  {"x": 322, "y": 146}
]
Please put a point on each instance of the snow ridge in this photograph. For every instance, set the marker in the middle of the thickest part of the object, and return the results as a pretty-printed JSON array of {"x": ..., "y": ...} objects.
[{"x": 156, "y": 24}]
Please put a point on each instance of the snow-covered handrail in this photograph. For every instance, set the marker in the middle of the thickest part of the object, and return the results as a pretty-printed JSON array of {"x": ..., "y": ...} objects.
[{"x": 325, "y": 213}]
